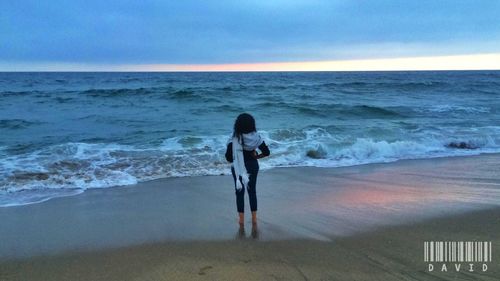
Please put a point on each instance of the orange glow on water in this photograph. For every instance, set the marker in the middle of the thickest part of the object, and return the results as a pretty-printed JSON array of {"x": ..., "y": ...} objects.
[
  {"x": 381, "y": 191},
  {"x": 376, "y": 196}
]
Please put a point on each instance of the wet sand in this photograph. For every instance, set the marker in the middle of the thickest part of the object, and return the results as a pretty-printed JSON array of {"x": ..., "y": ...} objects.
[
  {"x": 354, "y": 223},
  {"x": 391, "y": 253}
]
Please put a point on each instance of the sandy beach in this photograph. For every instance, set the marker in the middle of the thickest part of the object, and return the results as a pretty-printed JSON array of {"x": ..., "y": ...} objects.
[
  {"x": 363, "y": 138},
  {"x": 364, "y": 222}
]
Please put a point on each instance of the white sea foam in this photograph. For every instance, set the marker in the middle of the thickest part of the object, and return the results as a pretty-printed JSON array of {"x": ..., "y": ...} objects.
[
  {"x": 441, "y": 108},
  {"x": 171, "y": 123},
  {"x": 74, "y": 167}
]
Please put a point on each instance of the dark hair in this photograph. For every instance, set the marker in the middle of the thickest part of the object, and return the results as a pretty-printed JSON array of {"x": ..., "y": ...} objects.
[{"x": 244, "y": 124}]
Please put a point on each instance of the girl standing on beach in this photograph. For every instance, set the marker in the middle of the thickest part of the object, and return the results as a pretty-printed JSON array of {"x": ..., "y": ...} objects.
[{"x": 241, "y": 151}]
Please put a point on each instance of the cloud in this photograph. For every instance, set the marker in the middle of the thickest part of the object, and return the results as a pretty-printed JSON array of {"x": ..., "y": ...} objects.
[{"x": 194, "y": 32}]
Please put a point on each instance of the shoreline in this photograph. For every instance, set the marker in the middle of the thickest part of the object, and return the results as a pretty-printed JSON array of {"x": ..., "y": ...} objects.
[
  {"x": 60, "y": 193},
  {"x": 365, "y": 222},
  {"x": 294, "y": 203}
]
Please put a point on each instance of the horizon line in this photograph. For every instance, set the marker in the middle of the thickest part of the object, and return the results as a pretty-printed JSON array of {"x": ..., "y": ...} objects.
[{"x": 478, "y": 62}]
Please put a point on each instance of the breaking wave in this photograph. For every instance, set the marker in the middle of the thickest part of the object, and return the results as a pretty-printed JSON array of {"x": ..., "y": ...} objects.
[{"x": 79, "y": 166}]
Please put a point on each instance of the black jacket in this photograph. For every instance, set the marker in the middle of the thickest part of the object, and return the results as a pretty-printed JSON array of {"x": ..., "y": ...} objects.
[{"x": 246, "y": 154}]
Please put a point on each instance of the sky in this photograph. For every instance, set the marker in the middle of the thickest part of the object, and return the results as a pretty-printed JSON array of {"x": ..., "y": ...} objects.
[{"x": 248, "y": 35}]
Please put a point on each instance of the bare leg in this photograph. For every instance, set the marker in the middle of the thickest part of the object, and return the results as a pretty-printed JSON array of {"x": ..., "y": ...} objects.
[
  {"x": 242, "y": 218},
  {"x": 254, "y": 217}
]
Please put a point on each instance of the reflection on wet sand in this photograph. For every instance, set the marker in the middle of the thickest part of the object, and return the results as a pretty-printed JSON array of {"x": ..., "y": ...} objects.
[
  {"x": 305, "y": 203},
  {"x": 241, "y": 233}
]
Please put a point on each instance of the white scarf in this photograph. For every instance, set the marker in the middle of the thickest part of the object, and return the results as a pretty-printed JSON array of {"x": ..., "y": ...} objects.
[{"x": 250, "y": 142}]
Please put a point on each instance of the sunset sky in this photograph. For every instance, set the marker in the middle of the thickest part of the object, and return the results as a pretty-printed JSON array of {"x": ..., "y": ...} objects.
[{"x": 258, "y": 35}]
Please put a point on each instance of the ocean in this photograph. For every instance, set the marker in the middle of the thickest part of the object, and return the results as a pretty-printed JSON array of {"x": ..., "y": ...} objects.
[{"x": 63, "y": 133}]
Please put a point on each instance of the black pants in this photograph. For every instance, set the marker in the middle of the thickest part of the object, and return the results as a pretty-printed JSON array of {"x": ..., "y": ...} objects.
[{"x": 252, "y": 170}]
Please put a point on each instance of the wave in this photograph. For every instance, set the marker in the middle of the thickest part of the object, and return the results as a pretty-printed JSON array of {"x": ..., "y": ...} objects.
[
  {"x": 324, "y": 110},
  {"x": 21, "y": 93},
  {"x": 374, "y": 111},
  {"x": 228, "y": 108},
  {"x": 444, "y": 108},
  {"x": 64, "y": 99},
  {"x": 184, "y": 94},
  {"x": 108, "y": 93},
  {"x": 170, "y": 93},
  {"x": 16, "y": 124},
  {"x": 79, "y": 166},
  {"x": 371, "y": 111},
  {"x": 107, "y": 130},
  {"x": 387, "y": 84}
]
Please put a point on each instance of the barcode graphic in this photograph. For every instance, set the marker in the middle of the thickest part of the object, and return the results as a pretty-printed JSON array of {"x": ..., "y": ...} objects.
[{"x": 457, "y": 251}]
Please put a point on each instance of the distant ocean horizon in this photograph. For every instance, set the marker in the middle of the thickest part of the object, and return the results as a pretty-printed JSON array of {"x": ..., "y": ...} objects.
[{"x": 65, "y": 132}]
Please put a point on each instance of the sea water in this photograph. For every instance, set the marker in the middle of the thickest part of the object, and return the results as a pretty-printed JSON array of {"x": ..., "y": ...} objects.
[{"x": 62, "y": 133}]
